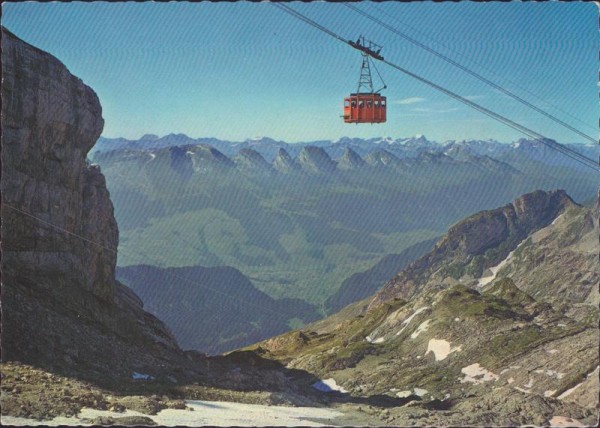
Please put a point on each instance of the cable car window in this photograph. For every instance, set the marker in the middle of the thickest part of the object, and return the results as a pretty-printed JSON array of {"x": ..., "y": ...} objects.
[
  {"x": 382, "y": 103},
  {"x": 353, "y": 103},
  {"x": 369, "y": 103},
  {"x": 346, "y": 103},
  {"x": 376, "y": 103},
  {"x": 361, "y": 104}
]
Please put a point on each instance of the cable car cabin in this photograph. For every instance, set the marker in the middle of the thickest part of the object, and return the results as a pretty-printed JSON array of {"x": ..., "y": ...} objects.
[{"x": 365, "y": 108}]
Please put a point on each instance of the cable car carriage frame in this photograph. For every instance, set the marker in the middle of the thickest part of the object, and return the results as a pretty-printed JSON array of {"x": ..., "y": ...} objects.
[{"x": 368, "y": 105}]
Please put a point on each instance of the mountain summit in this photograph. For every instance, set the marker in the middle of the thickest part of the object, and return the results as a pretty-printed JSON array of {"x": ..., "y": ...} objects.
[
  {"x": 284, "y": 162},
  {"x": 350, "y": 160},
  {"x": 479, "y": 242},
  {"x": 316, "y": 160}
]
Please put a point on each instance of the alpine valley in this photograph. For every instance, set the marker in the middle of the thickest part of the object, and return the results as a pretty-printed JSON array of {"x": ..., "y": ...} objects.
[{"x": 312, "y": 227}]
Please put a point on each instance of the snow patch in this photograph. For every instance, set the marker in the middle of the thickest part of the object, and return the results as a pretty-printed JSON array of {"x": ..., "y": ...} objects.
[
  {"x": 569, "y": 391},
  {"x": 206, "y": 413},
  {"x": 495, "y": 269},
  {"x": 510, "y": 380},
  {"x": 477, "y": 374},
  {"x": 441, "y": 349},
  {"x": 552, "y": 351},
  {"x": 556, "y": 219},
  {"x": 378, "y": 340},
  {"x": 420, "y": 391},
  {"x": 420, "y": 329},
  {"x": 409, "y": 319},
  {"x": 457, "y": 319},
  {"x": 141, "y": 376},
  {"x": 563, "y": 421},
  {"x": 551, "y": 373},
  {"x": 403, "y": 394},
  {"x": 549, "y": 393},
  {"x": 328, "y": 385},
  {"x": 525, "y": 391},
  {"x": 152, "y": 155}
]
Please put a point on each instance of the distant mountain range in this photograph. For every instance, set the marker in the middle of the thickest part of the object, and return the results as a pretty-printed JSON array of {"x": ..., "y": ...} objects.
[
  {"x": 300, "y": 220},
  {"x": 402, "y": 148}
]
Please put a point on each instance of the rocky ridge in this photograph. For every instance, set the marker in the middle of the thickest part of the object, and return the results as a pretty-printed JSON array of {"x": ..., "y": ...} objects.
[
  {"x": 350, "y": 160},
  {"x": 467, "y": 347},
  {"x": 284, "y": 162},
  {"x": 316, "y": 160},
  {"x": 479, "y": 242},
  {"x": 251, "y": 161},
  {"x": 382, "y": 158}
]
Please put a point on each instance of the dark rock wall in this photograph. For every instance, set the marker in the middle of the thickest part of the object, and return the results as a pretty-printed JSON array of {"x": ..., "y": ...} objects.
[
  {"x": 50, "y": 120},
  {"x": 61, "y": 304}
]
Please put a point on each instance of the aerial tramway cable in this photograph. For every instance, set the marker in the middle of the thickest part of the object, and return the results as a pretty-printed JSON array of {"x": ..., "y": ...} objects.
[
  {"x": 573, "y": 154},
  {"x": 471, "y": 72},
  {"x": 587, "y": 125}
]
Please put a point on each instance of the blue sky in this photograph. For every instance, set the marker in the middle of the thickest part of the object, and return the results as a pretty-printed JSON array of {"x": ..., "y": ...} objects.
[{"x": 241, "y": 70}]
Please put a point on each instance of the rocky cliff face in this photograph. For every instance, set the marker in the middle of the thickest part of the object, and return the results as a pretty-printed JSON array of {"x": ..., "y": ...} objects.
[
  {"x": 250, "y": 161},
  {"x": 479, "y": 242},
  {"x": 50, "y": 120},
  {"x": 61, "y": 304},
  {"x": 284, "y": 162},
  {"x": 382, "y": 158},
  {"x": 350, "y": 160},
  {"x": 316, "y": 160},
  {"x": 207, "y": 159}
]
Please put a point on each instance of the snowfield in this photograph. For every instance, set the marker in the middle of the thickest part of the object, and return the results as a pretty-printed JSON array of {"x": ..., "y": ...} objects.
[
  {"x": 420, "y": 329},
  {"x": 495, "y": 269},
  {"x": 206, "y": 413},
  {"x": 477, "y": 374},
  {"x": 441, "y": 349},
  {"x": 563, "y": 421}
]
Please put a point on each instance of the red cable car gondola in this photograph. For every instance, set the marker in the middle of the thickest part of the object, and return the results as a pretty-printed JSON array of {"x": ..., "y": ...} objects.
[
  {"x": 369, "y": 106},
  {"x": 365, "y": 108}
]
